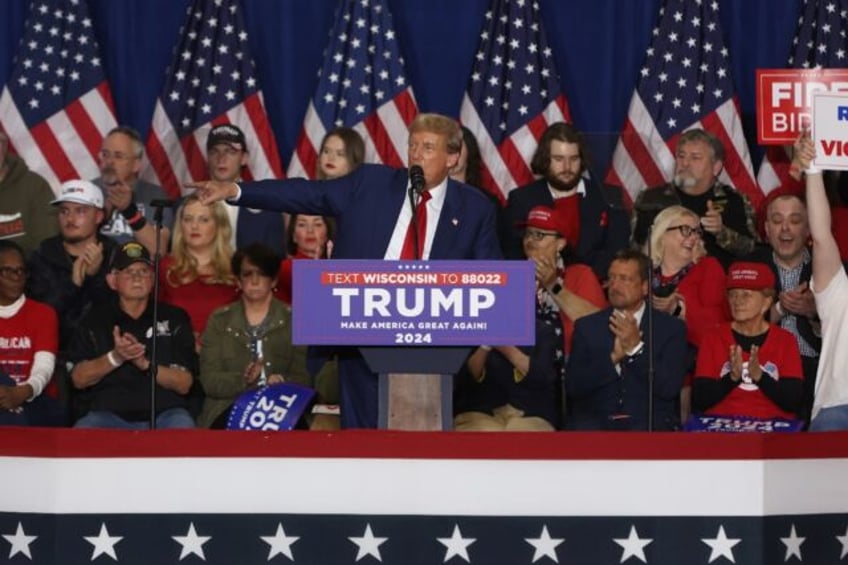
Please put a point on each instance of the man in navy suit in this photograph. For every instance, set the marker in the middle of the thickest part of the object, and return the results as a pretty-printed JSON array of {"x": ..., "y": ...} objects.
[
  {"x": 561, "y": 160},
  {"x": 607, "y": 372},
  {"x": 373, "y": 214},
  {"x": 226, "y": 156}
]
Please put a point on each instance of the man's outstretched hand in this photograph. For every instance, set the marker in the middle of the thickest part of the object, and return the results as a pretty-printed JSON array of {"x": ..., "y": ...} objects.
[{"x": 213, "y": 191}]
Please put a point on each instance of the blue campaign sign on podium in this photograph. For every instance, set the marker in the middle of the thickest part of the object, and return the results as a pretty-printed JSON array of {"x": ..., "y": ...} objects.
[
  {"x": 414, "y": 323},
  {"x": 413, "y": 303}
]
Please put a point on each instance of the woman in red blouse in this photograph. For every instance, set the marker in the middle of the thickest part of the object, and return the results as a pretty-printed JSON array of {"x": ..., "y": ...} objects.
[
  {"x": 686, "y": 282},
  {"x": 196, "y": 276}
]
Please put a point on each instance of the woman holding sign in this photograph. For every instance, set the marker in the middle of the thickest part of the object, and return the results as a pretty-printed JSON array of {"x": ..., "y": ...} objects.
[{"x": 247, "y": 344}]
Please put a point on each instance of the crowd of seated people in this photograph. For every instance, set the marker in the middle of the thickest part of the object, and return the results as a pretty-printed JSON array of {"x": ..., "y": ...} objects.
[{"x": 691, "y": 312}]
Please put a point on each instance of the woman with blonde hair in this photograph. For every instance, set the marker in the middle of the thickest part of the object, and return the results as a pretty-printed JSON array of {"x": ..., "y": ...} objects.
[
  {"x": 196, "y": 276},
  {"x": 686, "y": 282}
]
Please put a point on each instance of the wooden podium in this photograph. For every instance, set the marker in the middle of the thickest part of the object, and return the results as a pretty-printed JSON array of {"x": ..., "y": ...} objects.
[{"x": 415, "y": 385}]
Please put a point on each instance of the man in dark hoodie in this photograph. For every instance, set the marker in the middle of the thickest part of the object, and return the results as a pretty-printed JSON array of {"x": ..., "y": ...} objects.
[{"x": 25, "y": 214}]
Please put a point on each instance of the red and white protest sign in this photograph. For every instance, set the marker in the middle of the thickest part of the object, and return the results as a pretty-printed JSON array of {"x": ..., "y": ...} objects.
[{"x": 784, "y": 100}]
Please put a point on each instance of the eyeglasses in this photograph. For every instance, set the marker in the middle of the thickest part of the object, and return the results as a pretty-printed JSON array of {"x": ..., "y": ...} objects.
[
  {"x": 686, "y": 231},
  {"x": 136, "y": 273},
  {"x": 536, "y": 235},
  {"x": 106, "y": 155},
  {"x": 13, "y": 272}
]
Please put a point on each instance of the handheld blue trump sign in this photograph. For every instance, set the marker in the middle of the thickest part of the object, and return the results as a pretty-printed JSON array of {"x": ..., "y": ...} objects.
[
  {"x": 414, "y": 303},
  {"x": 272, "y": 408}
]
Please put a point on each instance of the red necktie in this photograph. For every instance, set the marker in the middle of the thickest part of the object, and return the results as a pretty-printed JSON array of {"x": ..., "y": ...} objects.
[{"x": 408, "y": 251}]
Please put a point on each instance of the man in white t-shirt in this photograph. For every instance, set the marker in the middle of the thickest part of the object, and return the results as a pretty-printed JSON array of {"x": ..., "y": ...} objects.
[{"x": 830, "y": 288}]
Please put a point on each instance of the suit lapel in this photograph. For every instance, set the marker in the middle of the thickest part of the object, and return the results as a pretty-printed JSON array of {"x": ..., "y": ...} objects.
[{"x": 450, "y": 224}]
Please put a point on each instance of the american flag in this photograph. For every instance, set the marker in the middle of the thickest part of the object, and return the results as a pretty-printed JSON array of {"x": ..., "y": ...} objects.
[
  {"x": 361, "y": 85},
  {"x": 820, "y": 42},
  {"x": 685, "y": 83},
  {"x": 513, "y": 93},
  {"x": 211, "y": 81},
  {"x": 57, "y": 106}
]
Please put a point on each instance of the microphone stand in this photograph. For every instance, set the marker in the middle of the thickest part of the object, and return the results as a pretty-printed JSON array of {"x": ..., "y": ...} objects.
[
  {"x": 413, "y": 203},
  {"x": 157, "y": 259},
  {"x": 649, "y": 346}
]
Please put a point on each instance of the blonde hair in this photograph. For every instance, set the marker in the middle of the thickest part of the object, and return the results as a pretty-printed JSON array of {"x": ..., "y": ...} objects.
[
  {"x": 662, "y": 222},
  {"x": 185, "y": 267},
  {"x": 440, "y": 125}
]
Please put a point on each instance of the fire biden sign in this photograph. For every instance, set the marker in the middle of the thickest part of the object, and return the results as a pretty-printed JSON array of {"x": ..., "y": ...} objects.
[
  {"x": 413, "y": 303},
  {"x": 785, "y": 100}
]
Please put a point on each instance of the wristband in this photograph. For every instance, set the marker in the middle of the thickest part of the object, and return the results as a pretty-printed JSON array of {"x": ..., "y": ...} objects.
[
  {"x": 677, "y": 310},
  {"x": 130, "y": 212},
  {"x": 779, "y": 309},
  {"x": 556, "y": 288},
  {"x": 112, "y": 361},
  {"x": 137, "y": 222},
  {"x": 812, "y": 170}
]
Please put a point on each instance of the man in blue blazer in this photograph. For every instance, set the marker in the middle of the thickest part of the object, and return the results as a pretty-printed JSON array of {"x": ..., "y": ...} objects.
[
  {"x": 561, "y": 160},
  {"x": 226, "y": 156},
  {"x": 373, "y": 212},
  {"x": 607, "y": 372}
]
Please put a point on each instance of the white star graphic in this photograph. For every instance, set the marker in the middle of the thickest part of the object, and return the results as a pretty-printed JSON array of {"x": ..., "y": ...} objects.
[
  {"x": 457, "y": 546},
  {"x": 191, "y": 543},
  {"x": 721, "y": 545},
  {"x": 103, "y": 543},
  {"x": 20, "y": 542},
  {"x": 368, "y": 544},
  {"x": 280, "y": 543},
  {"x": 545, "y": 545},
  {"x": 844, "y": 541},
  {"x": 633, "y": 546},
  {"x": 793, "y": 544}
]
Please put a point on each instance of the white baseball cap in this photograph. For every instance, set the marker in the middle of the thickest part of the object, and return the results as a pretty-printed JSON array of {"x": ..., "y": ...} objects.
[{"x": 81, "y": 192}]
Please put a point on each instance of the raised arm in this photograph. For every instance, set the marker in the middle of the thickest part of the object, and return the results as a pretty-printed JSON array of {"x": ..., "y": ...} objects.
[{"x": 826, "y": 259}]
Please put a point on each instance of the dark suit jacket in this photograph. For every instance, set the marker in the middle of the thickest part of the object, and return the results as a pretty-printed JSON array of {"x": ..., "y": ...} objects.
[
  {"x": 261, "y": 226},
  {"x": 604, "y": 222},
  {"x": 596, "y": 391},
  {"x": 366, "y": 204}
]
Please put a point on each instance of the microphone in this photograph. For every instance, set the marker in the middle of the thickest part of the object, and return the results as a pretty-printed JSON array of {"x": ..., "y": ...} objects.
[
  {"x": 416, "y": 178},
  {"x": 164, "y": 203}
]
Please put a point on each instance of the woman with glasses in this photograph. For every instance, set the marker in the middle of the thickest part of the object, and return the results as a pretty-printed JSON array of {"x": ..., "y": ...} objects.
[
  {"x": 685, "y": 282},
  {"x": 29, "y": 334},
  {"x": 247, "y": 344},
  {"x": 520, "y": 388},
  {"x": 196, "y": 276}
]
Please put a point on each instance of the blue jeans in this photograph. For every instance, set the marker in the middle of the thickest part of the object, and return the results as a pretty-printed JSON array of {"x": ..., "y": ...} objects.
[
  {"x": 169, "y": 419},
  {"x": 831, "y": 419}
]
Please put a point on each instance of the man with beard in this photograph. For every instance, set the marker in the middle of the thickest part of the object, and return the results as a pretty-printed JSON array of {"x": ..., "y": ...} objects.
[
  {"x": 726, "y": 215},
  {"x": 68, "y": 271},
  {"x": 606, "y": 377},
  {"x": 561, "y": 161},
  {"x": 128, "y": 212}
]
